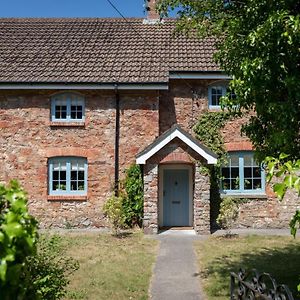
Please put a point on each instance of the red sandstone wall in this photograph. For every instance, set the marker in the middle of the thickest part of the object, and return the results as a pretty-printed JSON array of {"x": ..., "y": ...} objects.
[
  {"x": 27, "y": 139},
  {"x": 183, "y": 104}
]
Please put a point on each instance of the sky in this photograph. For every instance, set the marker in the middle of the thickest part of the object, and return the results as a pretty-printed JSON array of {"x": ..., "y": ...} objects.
[{"x": 70, "y": 8}]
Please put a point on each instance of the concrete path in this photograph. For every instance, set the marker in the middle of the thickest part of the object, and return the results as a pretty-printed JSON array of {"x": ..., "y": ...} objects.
[{"x": 175, "y": 272}]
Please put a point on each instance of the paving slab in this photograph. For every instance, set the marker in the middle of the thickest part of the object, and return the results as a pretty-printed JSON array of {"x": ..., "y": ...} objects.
[{"x": 175, "y": 273}]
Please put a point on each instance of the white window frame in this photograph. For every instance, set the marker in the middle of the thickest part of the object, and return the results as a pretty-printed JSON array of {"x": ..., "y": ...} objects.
[
  {"x": 241, "y": 167},
  {"x": 223, "y": 87},
  {"x": 67, "y": 160},
  {"x": 67, "y": 99}
]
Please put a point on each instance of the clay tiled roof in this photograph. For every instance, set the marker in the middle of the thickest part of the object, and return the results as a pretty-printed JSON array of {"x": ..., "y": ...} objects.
[{"x": 92, "y": 50}]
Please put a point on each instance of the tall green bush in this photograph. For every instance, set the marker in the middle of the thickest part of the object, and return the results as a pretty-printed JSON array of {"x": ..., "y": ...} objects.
[
  {"x": 127, "y": 209},
  {"x": 133, "y": 201},
  {"x": 18, "y": 237},
  {"x": 113, "y": 209},
  {"x": 228, "y": 214}
]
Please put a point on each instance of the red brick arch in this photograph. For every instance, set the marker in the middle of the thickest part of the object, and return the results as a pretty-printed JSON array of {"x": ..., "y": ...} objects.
[{"x": 71, "y": 151}]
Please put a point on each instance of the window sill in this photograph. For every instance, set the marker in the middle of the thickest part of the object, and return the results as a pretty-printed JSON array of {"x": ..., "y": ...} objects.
[
  {"x": 249, "y": 196},
  {"x": 67, "y": 124},
  {"x": 214, "y": 107},
  {"x": 67, "y": 198}
]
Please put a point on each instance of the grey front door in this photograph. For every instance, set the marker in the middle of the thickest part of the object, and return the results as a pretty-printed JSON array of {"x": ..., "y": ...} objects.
[{"x": 176, "y": 197}]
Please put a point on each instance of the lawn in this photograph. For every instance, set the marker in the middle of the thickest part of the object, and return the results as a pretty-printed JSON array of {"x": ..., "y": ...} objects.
[
  {"x": 218, "y": 256},
  {"x": 110, "y": 267}
]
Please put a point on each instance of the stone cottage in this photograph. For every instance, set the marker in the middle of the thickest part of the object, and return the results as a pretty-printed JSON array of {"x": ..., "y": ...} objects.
[{"x": 82, "y": 99}]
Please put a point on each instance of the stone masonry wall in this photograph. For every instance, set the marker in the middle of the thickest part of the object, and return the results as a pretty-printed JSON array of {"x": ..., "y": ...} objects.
[
  {"x": 28, "y": 139},
  {"x": 150, "y": 222},
  {"x": 201, "y": 202}
]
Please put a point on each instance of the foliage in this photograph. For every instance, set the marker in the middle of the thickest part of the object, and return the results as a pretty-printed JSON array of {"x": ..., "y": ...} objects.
[
  {"x": 258, "y": 45},
  {"x": 18, "y": 236},
  {"x": 113, "y": 209},
  {"x": 207, "y": 130},
  {"x": 289, "y": 173},
  {"x": 47, "y": 271},
  {"x": 228, "y": 213},
  {"x": 133, "y": 200}
]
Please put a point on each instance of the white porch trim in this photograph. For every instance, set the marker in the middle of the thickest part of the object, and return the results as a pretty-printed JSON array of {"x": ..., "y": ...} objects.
[{"x": 211, "y": 159}]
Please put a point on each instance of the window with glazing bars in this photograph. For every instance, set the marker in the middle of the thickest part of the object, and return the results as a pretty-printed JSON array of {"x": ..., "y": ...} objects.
[
  {"x": 242, "y": 174},
  {"x": 215, "y": 92},
  {"x": 67, "y": 107},
  {"x": 67, "y": 175}
]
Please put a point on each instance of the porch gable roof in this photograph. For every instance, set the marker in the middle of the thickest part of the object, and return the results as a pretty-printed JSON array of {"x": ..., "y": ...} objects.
[{"x": 176, "y": 132}]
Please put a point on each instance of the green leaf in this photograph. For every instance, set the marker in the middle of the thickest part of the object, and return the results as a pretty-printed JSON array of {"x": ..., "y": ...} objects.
[
  {"x": 3, "y": 269},
  {"x": 289, "y": 181},
  {"x": 279, "y": 190},
  {"x": 283, "y": 156}
]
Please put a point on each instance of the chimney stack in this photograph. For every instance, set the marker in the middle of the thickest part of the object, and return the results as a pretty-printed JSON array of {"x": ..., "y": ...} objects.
[{"x": 152, "y": 14}]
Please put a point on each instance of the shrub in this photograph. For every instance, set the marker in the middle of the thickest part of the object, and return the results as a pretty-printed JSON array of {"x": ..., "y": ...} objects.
[
  {"x": 228, "y": 213},
  {"x": 113, "y": 209},
  {"x": 30, "y": 267},
  {"x": 47, "y": 271},
  {"x": 133, "y": 200},
  {"x": 18, "y": 236}
]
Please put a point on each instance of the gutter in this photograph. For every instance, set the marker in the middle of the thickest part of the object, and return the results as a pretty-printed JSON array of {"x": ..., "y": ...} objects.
[{"x": 83, "y": 86}]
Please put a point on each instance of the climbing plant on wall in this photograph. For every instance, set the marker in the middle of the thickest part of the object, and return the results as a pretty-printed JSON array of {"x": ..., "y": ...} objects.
[{"x": 208, "y": 131}]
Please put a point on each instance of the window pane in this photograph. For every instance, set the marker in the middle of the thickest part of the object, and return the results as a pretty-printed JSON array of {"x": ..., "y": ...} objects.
[
  {"x": 248, "y": 184},
  {"x": 235, "y": 184},
  {"x": 248, "y": 160},
  {"x": 80, "y": 185},
  {"x": 63, "y": 185},
  {"x": 225, "y": 172},
  {"x": 81, "y": 175},
  {"x": 216, "y": 94},
  {"x": 73, "y": 175},
  {"x": 76, "y": 112},
  {"x": 234, "y": 172},
  {"x": 247, "y": 172},
  {"x": 60, "y": 112},
  {"x": 257, "y": 183},
  {"x": 256, "y": 172},
  {"x": 74, "y": 185},
  {"x": 55, "y": 175},
  {"x": 226, "y": 184},
  {"x": 55, "y": 185},
  {"x": 63, "y": 175},
  {"x": 234, "y": 160}
]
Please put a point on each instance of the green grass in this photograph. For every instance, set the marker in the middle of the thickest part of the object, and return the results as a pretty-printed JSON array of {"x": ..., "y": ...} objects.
[
  {"x": 218, "y": 256},
  {"x": 110, "y": 267}
]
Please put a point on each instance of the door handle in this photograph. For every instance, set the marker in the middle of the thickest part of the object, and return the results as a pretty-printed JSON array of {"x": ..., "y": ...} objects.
[{"x": 176, "y": 202}]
